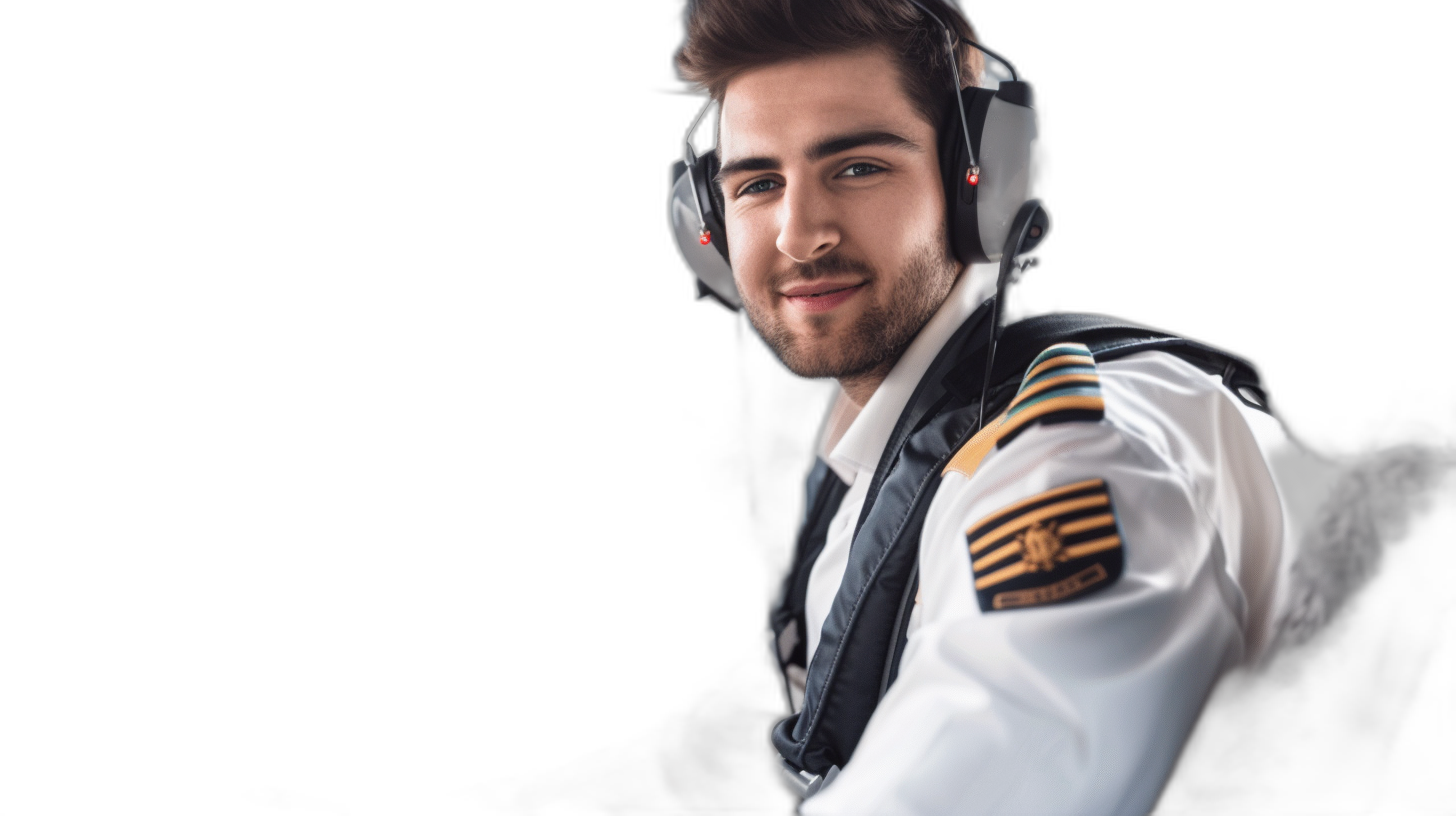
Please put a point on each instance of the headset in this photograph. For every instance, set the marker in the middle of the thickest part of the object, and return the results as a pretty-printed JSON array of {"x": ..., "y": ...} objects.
[{"x": 985, "y": 168}]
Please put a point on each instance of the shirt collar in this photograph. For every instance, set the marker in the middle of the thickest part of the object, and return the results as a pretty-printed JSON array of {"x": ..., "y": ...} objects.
[{"x": 860, "y": 447}]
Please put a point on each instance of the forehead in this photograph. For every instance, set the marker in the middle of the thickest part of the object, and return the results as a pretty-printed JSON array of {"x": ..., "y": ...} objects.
[{"x": 772, "y": 108}]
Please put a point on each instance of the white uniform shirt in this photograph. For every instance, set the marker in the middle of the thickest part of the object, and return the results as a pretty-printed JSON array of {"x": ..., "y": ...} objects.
[
  {"x": 854, "y": 451},
  {"x": 1078, "y": 707}
]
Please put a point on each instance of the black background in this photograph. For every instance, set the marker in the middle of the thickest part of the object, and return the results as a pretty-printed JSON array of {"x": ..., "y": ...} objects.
[{"x": 498, "y": 507}]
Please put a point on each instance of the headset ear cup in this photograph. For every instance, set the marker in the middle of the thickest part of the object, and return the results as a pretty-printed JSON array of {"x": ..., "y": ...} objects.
[
  {"x": 1007, "y": 133},
  {"x": 708, "y": 261},
  {"x": 1001, "y": 126},
  {"x": 962, "y": 198},
  {"x": 703, "y": 174}
]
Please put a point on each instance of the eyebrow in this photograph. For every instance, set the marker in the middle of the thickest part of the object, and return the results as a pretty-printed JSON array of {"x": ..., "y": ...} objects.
[{"x": 822, "y": 149}]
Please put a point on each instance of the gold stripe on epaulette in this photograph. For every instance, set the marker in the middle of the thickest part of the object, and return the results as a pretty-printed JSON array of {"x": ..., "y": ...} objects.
[
  {"x": 999, "y": 554},
  {"x": 1057, "y": 362},
  {"x": 1085, "y": 524},
  {"x": 1053, "y": 382},
  {"x": 1003, "y": 574},
  {"x": 1096, "y": 545},
  {"x": 969, "y": 457},
  {"x": 1039, "y": 514},
  {"x": 1041, "y": 409},
  {"x": 1020, "y": 568},
  {"x": 1070, "y": 528},
  {"x": 1050, "y": 494}
]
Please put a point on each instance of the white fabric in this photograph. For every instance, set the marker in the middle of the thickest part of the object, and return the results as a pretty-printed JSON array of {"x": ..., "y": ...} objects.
[
  {"x": 1082, "y": 707},
  {"x": 855, "y": 454}
]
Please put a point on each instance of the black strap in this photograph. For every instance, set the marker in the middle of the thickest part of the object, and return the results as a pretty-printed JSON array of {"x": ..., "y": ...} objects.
[
  {"x": 1110, "y": 338},
  {"x": 823, "y": 492}
]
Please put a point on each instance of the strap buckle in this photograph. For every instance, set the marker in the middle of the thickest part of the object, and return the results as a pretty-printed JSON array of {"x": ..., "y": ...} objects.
[{"x": 805, "y": 784}]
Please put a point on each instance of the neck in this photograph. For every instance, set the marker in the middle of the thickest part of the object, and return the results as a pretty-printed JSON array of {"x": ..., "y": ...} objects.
[{"x": 860, "y": 387}]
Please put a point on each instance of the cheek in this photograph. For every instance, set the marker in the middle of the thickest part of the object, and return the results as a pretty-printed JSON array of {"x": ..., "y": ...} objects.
[
  {"x": 929, "y": 200},
  {"x": 750, "y": 248},
  {"x": 906, "y": 218}
]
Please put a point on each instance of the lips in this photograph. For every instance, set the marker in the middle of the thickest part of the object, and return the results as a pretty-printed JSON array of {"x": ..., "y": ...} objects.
[
  {"x": 821, "y": 296},
  {"x": 819, "y": 287}
]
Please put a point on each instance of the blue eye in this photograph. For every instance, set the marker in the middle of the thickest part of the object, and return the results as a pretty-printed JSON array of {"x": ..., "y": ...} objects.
[
  {"x": 760, "y": 186},
  {"x": 861, "y": 169}
]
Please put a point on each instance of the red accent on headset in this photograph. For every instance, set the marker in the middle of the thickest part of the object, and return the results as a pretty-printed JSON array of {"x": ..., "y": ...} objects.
[
  {"x": 973, "y": 178},
  {"x": 705, "y": 237}
]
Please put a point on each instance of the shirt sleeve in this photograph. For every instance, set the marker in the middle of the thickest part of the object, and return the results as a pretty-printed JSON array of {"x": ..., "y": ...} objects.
[{"x": 1057, "y": 704}]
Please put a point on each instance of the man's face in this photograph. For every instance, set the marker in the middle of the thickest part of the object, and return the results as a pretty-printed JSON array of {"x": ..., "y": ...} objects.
[{"x": 835, "y": 211}]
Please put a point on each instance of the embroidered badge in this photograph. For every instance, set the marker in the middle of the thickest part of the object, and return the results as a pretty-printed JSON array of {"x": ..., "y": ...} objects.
[
  {"x": 1060, "y": 385},
  {"x": 1041, "y": 547},
  {"x": 1052, "y": 547}
]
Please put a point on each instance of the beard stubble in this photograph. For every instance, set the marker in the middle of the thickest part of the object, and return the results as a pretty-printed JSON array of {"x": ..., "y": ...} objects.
[{"x": 878, "y": 336}]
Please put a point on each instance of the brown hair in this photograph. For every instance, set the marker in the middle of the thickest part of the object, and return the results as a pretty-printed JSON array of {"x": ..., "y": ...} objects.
[{"x": 727, "y": 37}]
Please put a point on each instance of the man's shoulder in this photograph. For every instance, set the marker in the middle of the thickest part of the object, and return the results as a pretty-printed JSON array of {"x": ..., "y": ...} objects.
[
  {"x": 1145, "y": 387},
  {"x": 1041, "y": 499},
  {"x": 1151, "y": 415},
  {"x": 1066, "y": 384}
]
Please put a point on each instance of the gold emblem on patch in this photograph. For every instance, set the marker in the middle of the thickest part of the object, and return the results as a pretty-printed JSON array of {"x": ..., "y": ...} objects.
[{"x": 1041, "y": 547}]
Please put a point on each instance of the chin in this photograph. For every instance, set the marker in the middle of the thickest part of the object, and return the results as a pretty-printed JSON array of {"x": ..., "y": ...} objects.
[
  {"x": 827, "y": 356},
  {"x": 846, "y": 342}
]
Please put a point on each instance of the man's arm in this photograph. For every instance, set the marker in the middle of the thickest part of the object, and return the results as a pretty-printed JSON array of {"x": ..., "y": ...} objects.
[{"x": 1061, "y": 656}]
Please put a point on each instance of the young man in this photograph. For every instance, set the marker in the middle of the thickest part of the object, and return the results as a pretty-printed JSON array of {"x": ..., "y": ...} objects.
[{"x": 1024, "y": 617}]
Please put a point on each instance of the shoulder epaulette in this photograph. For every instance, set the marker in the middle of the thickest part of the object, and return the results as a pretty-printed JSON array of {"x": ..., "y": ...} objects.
[
  {"x": 1060, "y": 386},
  {"x": 1055, "y": 546}
]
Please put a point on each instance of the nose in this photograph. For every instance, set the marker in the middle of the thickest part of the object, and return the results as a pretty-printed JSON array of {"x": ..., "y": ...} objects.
[{"x": 808, "y": 224}]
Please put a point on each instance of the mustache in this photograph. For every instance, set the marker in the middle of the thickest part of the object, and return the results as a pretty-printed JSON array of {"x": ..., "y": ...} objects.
[{"x": 831, "y": 264}]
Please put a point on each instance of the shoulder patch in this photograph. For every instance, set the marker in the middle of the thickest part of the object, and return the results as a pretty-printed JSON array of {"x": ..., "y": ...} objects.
[
  {"x": 1052, "y": 547},
  {"x": 1060, "y": 385}
]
